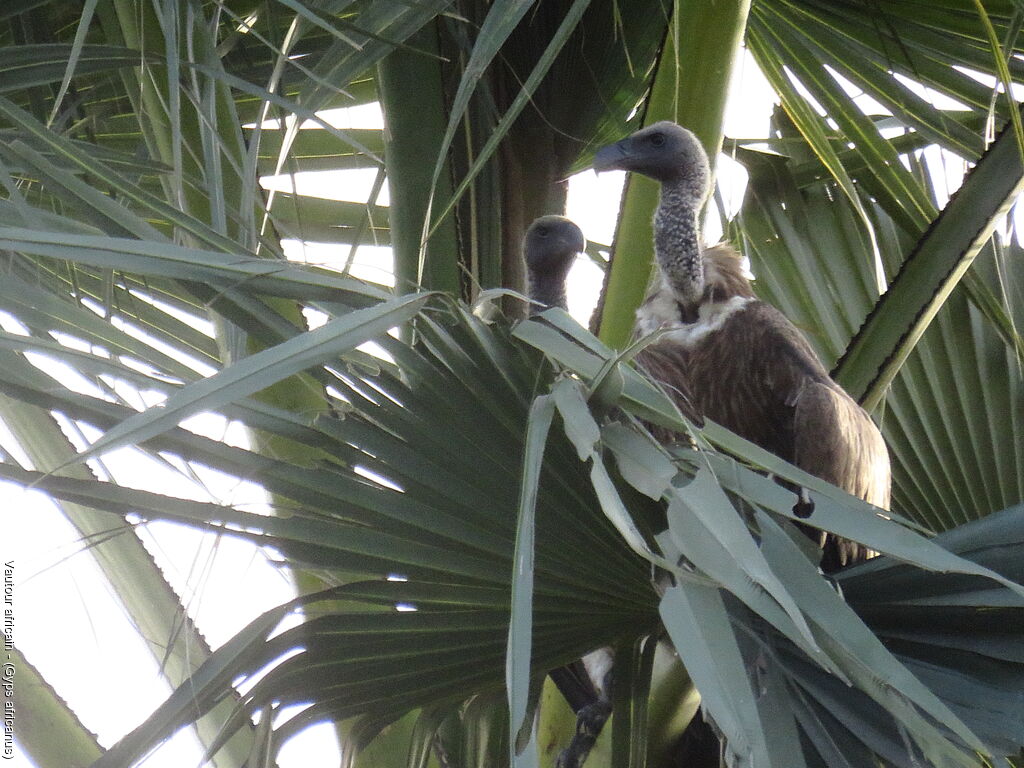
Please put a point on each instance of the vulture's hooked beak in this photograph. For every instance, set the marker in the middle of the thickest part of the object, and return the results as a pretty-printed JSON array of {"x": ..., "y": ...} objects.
[
  {"x": 576, "y": 244},
  {"x": 611, "y": 157}
]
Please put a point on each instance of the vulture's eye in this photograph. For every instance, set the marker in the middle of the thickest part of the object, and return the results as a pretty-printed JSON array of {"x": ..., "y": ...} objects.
[
  {"x": 657, "y": 139},
  {"x": 542, "y": 232}
]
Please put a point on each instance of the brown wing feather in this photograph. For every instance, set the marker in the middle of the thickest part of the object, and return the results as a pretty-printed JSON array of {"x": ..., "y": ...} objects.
[
  {"x": 834, "y": 439},
  {"x": 757, "y": 375}
]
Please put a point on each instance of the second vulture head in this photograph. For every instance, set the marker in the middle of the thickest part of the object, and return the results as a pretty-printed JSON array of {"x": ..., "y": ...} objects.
[
  {"x": 551, "y": 245},
  {"x": 550, "y": 248}
]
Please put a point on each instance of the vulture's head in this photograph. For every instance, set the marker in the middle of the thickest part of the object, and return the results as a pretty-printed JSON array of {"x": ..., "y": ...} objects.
[
  {"x": 664, "y": 151},
  {"x": 551, "y": 245}
]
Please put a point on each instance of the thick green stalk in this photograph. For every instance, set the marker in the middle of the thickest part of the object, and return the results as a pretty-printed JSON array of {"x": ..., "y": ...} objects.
[
  {"x": 47, "y": 729},
  {"x": 673, "y": 703},
  {"x": 691, "y": 85},
  {"x": 927, "y": 277},
  {"x": 412, "y": 95}
]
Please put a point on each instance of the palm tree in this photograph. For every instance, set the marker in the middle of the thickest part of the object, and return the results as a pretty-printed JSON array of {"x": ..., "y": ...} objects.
[{"x": 133, "y": 137}]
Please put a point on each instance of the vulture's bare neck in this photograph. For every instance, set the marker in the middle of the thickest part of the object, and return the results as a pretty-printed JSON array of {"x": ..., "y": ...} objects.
[
  {"x": 547, "y": 290},
  {"x": 677, "y": 243}
]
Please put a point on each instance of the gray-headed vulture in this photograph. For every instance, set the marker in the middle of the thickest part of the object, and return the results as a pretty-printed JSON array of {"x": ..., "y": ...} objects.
[
  {"x": 730, "y": 356},
  {"x": 724, "y": 355}
]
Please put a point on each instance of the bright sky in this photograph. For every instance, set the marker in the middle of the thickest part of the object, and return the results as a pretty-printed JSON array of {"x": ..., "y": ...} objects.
[{"x": 68, "y": 622}]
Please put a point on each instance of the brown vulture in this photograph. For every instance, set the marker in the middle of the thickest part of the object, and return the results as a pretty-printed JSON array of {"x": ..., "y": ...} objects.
[
  {"x": 726, "y": 355},
  {"x": 731, "y": 357}
]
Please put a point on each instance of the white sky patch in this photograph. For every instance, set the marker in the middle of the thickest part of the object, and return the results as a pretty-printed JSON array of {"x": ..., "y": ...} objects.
[
  {"x": 56, "y": 577},
  {"x": 373, "y": 263},
  {"x": 947, "y": 172},
  {"x": 320, "y": 740},
  {"x": 376, "y": 350},
  {"x": 593, "y": 203},
  {"x": 363, "y": 116},
  {"x": 290, "y": 621},
  {"x": 582, "y": 289},
  {"x": 139, "y": 399},
  {"x": 13, "y": 448},
  {"x": 352, "y": 185},
  {"x": 369, "y": 474},
  {"x": 66, "y": 375},
  {"x": 892, "y": 131},
  {"x": 11, "y": 324},
  {"x": 61, "y": 371},
  {"x": 731, "y": 178},
  {"x": 937, "y": 99},
  {"x": 712, "y": 232},
  {"x": 867, "y": 103},
  {"x": 200, "y": 322},
  {"x": 205, "y": 570},
  {"x": 990, "y": 81},
  {"x": 245, "y": 685},
  {"x": 73, "y": 342},
  {"x": 199, "y": 366},
  {"x": 804, "y": 93},
  {"x": 343, "y": 118},
  {"x": 748, "y": 111},
  {"x": 314, "y": 317},
  {"x": 213, "y": 565},
  {"x": 79, "y": 435}
]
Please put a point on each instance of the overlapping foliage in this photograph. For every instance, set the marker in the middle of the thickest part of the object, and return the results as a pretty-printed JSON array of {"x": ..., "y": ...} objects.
[{"x": 130, "y": 154}]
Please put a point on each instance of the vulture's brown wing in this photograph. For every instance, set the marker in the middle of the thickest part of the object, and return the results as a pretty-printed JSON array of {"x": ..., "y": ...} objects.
[{"x": 835, "y": 439}]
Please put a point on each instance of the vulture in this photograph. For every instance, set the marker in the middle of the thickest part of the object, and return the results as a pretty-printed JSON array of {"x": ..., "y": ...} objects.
[
  {"x": 724, "y": 355},
  {"x": 549, "y": 249},
  {"x": 733, "y": 358}
]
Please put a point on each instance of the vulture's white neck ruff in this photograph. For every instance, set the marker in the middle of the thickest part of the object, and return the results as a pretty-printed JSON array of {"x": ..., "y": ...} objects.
[{"x": 711, "y": 316}]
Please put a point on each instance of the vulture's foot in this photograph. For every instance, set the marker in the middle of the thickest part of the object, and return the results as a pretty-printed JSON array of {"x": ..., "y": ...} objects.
[{"x": 589, "y": 722}]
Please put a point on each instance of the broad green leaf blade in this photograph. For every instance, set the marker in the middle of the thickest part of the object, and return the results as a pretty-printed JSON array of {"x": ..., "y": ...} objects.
[
  {"x": 704, "y": 499},
  {"x": 164, "y": 259},
  {"x": 206, "y": 683},
  {"x": 866, "y": 660},
  {"x": 697, "y": 621},
  {"x": 520, "y": 630},
  {"x": 633, "y": 666},
  {"x": 580, "y": 427},
  {"x": 263, "y": 369},
  {"x": 26, "y": 66},
  {"x": 641, "y": 464}
]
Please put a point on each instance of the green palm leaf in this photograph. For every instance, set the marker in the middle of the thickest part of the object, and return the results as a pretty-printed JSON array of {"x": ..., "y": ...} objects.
[{"x": 130, "y": 148}]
